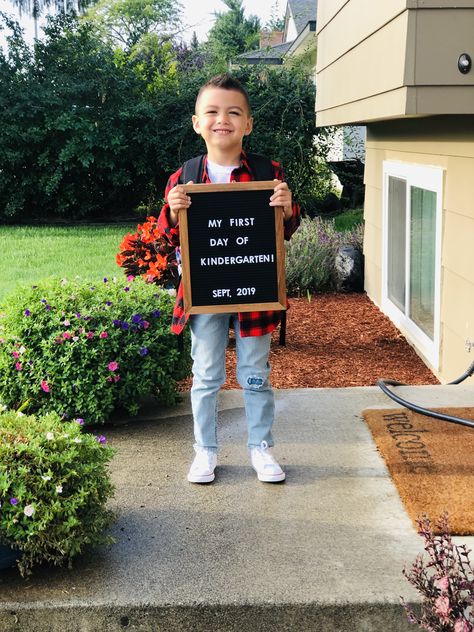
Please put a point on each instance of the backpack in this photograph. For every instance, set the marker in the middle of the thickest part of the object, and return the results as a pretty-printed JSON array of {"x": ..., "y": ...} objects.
[{"x": 262, "y": 168}]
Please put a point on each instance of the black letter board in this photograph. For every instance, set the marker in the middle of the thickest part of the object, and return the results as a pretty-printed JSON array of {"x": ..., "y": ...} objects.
[{"x": 232, "y": 249}]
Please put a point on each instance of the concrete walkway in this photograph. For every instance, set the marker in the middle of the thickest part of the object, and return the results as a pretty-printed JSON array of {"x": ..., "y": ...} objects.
[{"x": 324, "y": 551}]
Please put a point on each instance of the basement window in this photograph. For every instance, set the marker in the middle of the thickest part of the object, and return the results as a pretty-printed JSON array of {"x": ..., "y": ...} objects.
[{"x": 412, "y": 252}]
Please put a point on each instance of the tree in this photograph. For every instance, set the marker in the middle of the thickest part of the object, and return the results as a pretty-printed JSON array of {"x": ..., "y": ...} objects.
[
  {"x": 233, "y": 33},
  {"x": 275, "y": 23},
  {"x": 34, "y": 8},
  {"x": 127, "y": 21}
]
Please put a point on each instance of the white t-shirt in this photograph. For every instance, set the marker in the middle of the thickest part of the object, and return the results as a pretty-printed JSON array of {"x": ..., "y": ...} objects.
[{"x": 219, "y": 174}]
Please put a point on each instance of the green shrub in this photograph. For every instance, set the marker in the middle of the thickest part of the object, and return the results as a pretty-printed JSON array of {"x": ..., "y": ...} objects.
[
  {"x": 311, "y": 253},
  {"x": 82, "y": 350},
  {"x": 54, "y": 485}
]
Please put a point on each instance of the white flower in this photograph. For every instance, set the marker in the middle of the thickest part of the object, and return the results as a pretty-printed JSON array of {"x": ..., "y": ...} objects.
[
  {"x": 46, "y": 478},
  {"x": 66, "y": 322},
  {"x": 77, "y": 440},
  {"x": 21, "y": 350},
  {"x": 63, "y": 281},
  {"x": 59, "y": 489},
  {"x": 49, "y": 436},
  {"x": 29, "y": 510},
  {"x": 3, "y": 407},
  {"x": 75, "y": 338},
  {"x": 20, "y": 414},
  {"x": 65, "y": 435},
  {"x": 172, "y": 292}
]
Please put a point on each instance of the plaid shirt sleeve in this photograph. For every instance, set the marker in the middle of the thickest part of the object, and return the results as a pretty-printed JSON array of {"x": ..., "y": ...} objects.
[{"x": 171, "y": 233}]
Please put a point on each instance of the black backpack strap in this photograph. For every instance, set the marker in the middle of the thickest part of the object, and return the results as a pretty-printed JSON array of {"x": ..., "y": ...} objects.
[
  {"x": 261, "y": 167},
  {"x": 192, "y": 170}
]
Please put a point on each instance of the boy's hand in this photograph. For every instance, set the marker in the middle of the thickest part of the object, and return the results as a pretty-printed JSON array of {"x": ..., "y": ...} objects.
[
  {"x": 282, "y": 197},
  {"x": 177, "y": 200}
]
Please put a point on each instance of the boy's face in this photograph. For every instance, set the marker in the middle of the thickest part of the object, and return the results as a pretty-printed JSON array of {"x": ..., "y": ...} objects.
[{"x": 222, "y": 119}]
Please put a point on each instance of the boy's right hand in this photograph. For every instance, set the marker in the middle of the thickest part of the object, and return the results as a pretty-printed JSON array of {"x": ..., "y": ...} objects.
[{"x": 178, "y": 200}]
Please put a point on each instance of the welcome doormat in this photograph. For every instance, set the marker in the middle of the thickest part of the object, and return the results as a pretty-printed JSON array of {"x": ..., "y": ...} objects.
[{"x": 430, "y": 461}]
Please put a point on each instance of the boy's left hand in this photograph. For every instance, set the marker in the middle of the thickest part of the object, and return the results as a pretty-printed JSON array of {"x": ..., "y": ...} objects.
[{"x": 282, "y": 197}]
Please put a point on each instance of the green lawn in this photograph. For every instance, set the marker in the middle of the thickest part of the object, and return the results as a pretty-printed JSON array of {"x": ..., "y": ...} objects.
[
  {"x": 349, "y": 219},
  {"x": 29, "y": 253}
]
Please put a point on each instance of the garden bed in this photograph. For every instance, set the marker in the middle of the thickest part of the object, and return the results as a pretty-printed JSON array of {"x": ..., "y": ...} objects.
[{"x": 337, "y": 340}]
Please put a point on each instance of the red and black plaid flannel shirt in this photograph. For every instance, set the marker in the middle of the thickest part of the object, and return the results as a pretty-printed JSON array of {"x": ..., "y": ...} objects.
[{"x": 251, "y": 323}]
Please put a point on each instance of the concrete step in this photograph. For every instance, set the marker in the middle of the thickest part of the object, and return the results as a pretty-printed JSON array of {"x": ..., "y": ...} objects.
[{"x": 323, "y": 551}]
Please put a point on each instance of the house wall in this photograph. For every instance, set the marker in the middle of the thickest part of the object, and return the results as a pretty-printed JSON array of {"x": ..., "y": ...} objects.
[
  {"x": 380, "y": 60},
  {"x": 446, "y": 142}
]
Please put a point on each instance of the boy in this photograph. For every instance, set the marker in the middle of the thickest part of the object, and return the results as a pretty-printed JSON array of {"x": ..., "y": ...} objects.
[{"x": 222, "y": 117}]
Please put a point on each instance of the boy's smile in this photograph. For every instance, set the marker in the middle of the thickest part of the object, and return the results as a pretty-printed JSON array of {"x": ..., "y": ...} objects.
[{"x": 222, "y": 119}]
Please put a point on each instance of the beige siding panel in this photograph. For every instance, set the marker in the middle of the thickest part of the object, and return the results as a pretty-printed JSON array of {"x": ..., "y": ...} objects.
[
  {"x": 373, "y": 206},
  {"x": 441, "y": 100},
  {"x": 364, "y": 71},
  {"x": 373, "y": 281},
  {"x": 327, "y": 9},
  {"x": 458, "y": 240},
  {"x": 435, "y": 138},
  {"x": 347, "y": 29},
  {"x": 373, "y": 243},
  {"x": 440, "y": 4},
  {"x": 388, "y": 105},
  {"x": 436, "y": 64},
  {"x": 457, "y": 308},
  {"x": 373, "y": 172},
  {"x": 459, "y": 189},
  {"x": 455, "y": 359}
]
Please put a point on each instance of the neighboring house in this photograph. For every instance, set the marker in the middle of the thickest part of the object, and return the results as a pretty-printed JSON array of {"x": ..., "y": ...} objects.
[
  {"x": 404, "y": 69},
  {"x": 296, "y": 40}
]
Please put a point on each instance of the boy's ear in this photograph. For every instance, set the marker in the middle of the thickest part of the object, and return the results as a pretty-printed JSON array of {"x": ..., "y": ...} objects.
[
  {"x": 249, "y": 126},
  {"x": 195, "y": 120}
]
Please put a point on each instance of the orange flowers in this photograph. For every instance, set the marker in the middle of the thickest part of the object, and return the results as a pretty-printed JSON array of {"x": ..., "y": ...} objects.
[{"x": 147, "y": 253}]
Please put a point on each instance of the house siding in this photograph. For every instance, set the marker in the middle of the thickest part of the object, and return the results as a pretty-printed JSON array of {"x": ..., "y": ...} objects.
[
  {"x": 392, "y": 59},
  {"x": 446, "y": 142}
]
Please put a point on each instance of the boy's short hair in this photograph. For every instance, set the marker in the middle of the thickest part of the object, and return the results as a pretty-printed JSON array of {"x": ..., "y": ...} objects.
[{"x": 226, "y": 82}]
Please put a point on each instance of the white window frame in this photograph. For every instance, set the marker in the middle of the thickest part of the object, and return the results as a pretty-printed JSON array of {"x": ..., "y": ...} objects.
[{"x": 429, "y": 178}]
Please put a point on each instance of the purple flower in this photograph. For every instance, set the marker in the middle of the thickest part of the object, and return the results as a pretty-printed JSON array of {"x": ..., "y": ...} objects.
[
  {"x": 92, "y": 288},
  {"x": 79, "y": 421},
  {"x": 43, "y": 300},
  {"x": 117, "y": 323},
  {"x": 27, "y": 312},
  {"x": 126, "y": 289},
  {"x": 77, "y": 315},
  {"x": 13, "y": 501},
  {"x": 106, "y": 280},
  {"x": 48, "y": 307},
  {"x": 137, "y": 319},
  {"x": 143, "y": 351},
  {"x": 101, "y": 439},
  {"x": 156, "y": 313},
  {"x": 125, "y": 325},
  {"x": 108, "y": 303}
]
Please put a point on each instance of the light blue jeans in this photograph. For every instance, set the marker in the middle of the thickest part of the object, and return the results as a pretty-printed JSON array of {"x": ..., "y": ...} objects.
[{"x": 209, "y": 338}]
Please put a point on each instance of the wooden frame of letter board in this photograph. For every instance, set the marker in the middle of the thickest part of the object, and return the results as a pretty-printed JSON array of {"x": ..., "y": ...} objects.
[{"x": 189, "y": 308}]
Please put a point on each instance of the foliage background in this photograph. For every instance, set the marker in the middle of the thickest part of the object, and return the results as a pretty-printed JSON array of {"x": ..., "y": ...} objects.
[{"x": 91, "y": 128}]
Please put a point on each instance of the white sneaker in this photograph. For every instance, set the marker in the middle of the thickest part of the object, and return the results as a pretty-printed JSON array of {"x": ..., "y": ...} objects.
[
  {"x": 203, "y": 466},
  {"x": 268, "y": 470}
]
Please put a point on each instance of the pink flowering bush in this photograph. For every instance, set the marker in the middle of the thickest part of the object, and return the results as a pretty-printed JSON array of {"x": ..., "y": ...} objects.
[
  {"x": 445, "y": 581},
  {"x": 54, "y": 486},
  {"x": 82, "y": 350}
]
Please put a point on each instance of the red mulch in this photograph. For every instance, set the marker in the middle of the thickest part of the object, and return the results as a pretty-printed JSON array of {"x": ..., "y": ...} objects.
[{"x": 337, "y": 340}]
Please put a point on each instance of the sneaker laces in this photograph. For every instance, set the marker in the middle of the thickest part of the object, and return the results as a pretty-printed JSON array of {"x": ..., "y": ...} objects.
[{"x": 267, "y": 457}]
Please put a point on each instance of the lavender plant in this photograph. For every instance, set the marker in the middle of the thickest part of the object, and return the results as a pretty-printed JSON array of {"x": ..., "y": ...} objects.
[
  {"x": 445, "y": 581},
  {"x": 311, "y": 253}
]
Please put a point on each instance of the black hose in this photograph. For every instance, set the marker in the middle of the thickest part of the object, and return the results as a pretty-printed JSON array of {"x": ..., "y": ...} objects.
[{"x": 426, "y": 411}]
